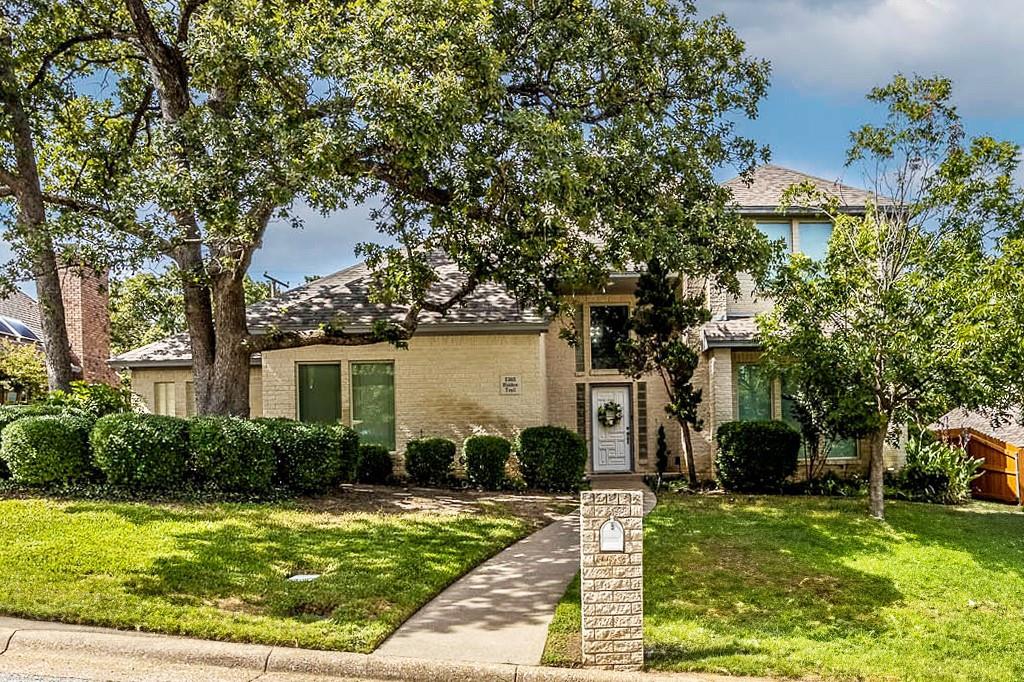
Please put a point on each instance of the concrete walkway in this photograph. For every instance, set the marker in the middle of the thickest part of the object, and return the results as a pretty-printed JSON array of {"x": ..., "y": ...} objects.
[{"x": 500, "y": 611}]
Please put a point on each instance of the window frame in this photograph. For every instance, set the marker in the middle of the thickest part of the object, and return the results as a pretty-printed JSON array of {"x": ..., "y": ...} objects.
[
  {"x": 394, "y": 397},
  {"x": 590, "y": 340},
  {"x": 298, "y": 388}
]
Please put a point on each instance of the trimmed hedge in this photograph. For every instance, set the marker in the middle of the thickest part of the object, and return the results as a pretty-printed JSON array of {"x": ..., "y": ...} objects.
[
  {"x": 47, "y": 449},
  {"x": 756, "y": 456},
  {"x": 375, "y": 465},
  {"x": 486, "y": 458},
  {"x": 143, "y": 451},
  {"x": 231, "y": 454},
  {"x": 552, "y": 458},
  {"x": 428, "y": 461},
  {"x": 310, "y": 457},
  {"x": 12, "y": 413}
]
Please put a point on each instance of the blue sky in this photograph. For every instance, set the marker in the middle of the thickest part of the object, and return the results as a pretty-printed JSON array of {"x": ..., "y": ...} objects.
[{"x": 826, "y": 54}]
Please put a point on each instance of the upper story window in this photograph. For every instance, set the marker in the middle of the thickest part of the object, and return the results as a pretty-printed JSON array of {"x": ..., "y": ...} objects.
[
  {"x": 812, "y": 238},
  {"x": 609, "y": 326},
  {"x": 777, "y": 231}
]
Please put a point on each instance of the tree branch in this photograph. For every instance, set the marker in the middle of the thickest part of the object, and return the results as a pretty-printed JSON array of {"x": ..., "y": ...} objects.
[{"x": 63, "y": 47}]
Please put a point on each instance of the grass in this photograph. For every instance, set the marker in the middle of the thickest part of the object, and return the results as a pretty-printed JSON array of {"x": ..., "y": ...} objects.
[
  {"x": 811, "y": 587},
  {"x": 218, "y": 570}
]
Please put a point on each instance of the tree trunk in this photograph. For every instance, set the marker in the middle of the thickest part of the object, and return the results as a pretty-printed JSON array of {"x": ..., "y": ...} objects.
[
  {"x": 876, "y": 480},
  {"x": 229, "y": 380},
  {"x": 691, "y": 467},
  {"x": 33, "y": 229}
]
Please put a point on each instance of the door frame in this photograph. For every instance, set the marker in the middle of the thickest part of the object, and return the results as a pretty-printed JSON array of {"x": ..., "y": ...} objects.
[{"x": 630, "y": 431}]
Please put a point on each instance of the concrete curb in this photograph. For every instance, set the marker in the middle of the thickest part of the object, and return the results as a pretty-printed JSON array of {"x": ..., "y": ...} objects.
[{"x": 37, "y": 641}]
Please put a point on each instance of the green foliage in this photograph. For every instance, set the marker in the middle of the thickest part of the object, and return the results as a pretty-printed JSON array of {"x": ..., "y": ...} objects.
[
  {"x": 551, "y": 458},
  {"x": 348, "y": 441},
  {"x": 428, "y": 461},
  {"x": 830, "y": 484},
  {"x": 310, "y": 457},
  {"x": 95, "y": 400},
  {"x": 141, "y": 451},
  {"x": 756, "y": 456},
  {"x": 486, "y": 459},
  {"x": 21, "y": 370},
  {"x": 11, "y": 413},
  {"x": 936, "y": 472},
  {"x": 46, "y": 449},
  {"x": 149, "y": 306},
  {"x": 898, "y": 321},
  {"x": 375, "y": 464},
  {"x": 231, "y": 454},
  {"x": 662, "y": 452}
]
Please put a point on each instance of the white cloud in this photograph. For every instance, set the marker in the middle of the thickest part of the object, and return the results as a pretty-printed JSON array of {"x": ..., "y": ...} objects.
[{"x": 849, "y": 46}]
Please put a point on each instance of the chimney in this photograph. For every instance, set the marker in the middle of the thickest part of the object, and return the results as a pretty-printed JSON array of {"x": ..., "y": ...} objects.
[{"x": 86, "y": 293}]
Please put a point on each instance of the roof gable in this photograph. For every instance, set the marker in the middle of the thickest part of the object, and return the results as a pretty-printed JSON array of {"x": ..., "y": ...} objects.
[{"x": 764, "y": 189}]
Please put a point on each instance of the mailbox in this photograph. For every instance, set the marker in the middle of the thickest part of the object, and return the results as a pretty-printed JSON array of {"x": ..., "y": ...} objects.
[{"x": 612, "y": 536}]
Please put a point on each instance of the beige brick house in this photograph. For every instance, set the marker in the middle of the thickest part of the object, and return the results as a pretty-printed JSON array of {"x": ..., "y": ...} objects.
[{"x": 493, "y": 367}]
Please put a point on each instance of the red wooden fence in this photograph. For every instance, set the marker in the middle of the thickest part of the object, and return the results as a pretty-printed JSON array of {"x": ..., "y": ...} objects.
[{"x": 1002, "y": 475}]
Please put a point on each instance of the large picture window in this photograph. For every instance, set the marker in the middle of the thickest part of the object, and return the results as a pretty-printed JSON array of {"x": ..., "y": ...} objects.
[
  {"x": 320, "y": 393},
  {"x": 845, "y": 448},
  {"x": 813, "y": 239},
  {"x": 754, "y": 392},
  {"x": 373, "y": 402},
  {"x": 609, "y": 325}
]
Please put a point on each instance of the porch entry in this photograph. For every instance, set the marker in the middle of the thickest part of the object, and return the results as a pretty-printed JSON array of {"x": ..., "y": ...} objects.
[{"x": 612, "y": 439}]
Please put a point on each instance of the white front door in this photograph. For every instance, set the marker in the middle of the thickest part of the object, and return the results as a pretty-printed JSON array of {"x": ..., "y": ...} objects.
[{"x": 612, "y": 443}]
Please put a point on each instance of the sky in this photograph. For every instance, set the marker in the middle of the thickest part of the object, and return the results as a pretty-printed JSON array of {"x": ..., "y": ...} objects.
[{"x": 825, "y": 55}]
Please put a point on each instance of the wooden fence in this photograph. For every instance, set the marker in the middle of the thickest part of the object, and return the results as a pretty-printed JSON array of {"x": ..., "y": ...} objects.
[{"x": 1002, "y": 475}]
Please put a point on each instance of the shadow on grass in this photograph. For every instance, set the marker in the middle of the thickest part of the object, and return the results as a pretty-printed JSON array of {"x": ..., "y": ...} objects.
[{"x": 375, "y": 569}]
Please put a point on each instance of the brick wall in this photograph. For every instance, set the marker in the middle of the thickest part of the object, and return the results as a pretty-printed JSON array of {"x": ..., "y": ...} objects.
[
  {"x": 144, "y": 380},
  {"x": 85, "y": 295},
  {"x": 445, "y": 385}
]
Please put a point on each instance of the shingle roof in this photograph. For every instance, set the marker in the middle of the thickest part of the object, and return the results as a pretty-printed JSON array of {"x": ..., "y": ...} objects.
[
  {"x": 764, "y": 189},
  {"x": 729, "y": 333},
  {"x": 345, "y": 297},
  {"x": 1008, "y": 430},
  {"x": 23, "y": 307}
]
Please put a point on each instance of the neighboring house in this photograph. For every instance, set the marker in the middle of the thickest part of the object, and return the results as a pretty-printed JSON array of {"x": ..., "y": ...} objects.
[
  {"x": 1000, "y": 446},
  {"x": 85, "y": 297},
  {"x": 491, "y": 366}
]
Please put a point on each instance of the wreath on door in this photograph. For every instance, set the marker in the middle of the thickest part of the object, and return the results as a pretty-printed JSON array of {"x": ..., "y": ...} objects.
[{"x": 610, "y": 413}]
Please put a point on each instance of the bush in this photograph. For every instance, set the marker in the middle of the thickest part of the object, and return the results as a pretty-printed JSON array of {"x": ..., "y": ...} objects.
[
  {"x": 231, "y": 454},
  {"x": 756, "y": 456},
  {"x": 486, "y": 459},
  {"x": 831, "y": 484},
  {"x": 428, "y": 461},
  {"x": 935, "y": 472},
  {"x": 551, "y": 457},
  {"x": 375, "y": 465},
  {"x": 95, "y": 400},
  {"x": 12, "y": 413},
  {"x": 143, "y": 451},
  {"x": 47, "y": 449},
  {"x": 349, "y": 441},
  {"x": 310, "y": 457}
]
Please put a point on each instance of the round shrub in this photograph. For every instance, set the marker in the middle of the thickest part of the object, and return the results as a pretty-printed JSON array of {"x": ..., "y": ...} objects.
[
  {"x": 310, "y": 457},
  {"x": 143, "y": 451},
  {"x": 47, "y": 449},
  {"x": 12, "y": 413},
  {"x": 551, "y": 457},
  {"x": 756, "y": 456},
  {"x": 486, "y": 459},
  {"x": 231, "y": 454},
  {"x": 428, "y": 461},
  {"x": 375, "y": 465}
]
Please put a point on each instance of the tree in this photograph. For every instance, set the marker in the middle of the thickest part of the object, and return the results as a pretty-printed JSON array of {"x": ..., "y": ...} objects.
[
  {"x": 148, "y": 306},
  {"x": 536, "y": 145},
  {"x": 22, "y": 371},
  {"x": 892, "y": 321},
  {"x": 666, "y": 316}
]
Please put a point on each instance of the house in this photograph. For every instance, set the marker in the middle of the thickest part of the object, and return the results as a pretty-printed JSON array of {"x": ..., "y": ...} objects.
[
  {"x": 998, "y": 443},
  {"x": 491, "y": 366},
  {"x": 85, "y": 296}
]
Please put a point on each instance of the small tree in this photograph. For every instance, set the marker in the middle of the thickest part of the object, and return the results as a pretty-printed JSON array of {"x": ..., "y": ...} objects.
[
  {"x": 664, "y": 317},
  {"x": 896, "y": 320},
  {"x": 22, "y": 371},
  {"x": 661, "y": 457}
]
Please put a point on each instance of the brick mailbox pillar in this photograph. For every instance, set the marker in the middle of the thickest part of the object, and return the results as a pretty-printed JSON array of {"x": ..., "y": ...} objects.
[{"x": 612, "y": 578}]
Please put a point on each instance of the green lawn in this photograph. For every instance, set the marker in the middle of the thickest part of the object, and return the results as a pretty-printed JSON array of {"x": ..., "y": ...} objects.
[
  {"x": 813, "y": 587},
  {"x": 218, "y": 571}
]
